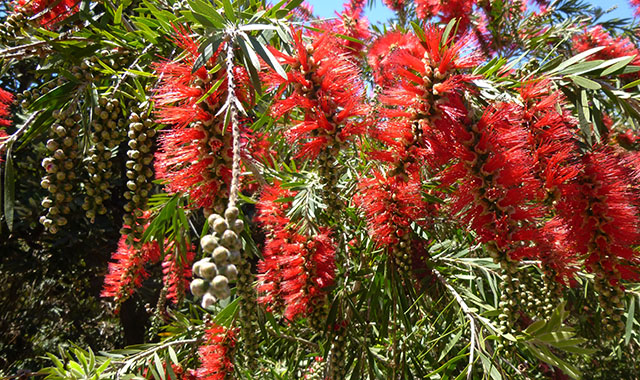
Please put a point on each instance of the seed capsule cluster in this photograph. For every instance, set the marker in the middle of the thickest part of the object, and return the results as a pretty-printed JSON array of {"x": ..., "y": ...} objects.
[
  {"x": 13, "y": 25},
  {"x": 316, "y": 370},
  {"x": 26, "y": 97},
  {"x": 337, "y": 361},
  {"x": 219, "y": 269},
  {"x": 139, "y": 170},
  {"x": 611, "y": 300},
  {"x": 60, "y": 167},
  {"x": 106, "y": 125}
]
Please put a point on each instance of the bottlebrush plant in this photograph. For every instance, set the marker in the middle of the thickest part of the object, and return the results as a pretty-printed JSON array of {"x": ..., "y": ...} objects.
[{"x": 454, "y": 193}]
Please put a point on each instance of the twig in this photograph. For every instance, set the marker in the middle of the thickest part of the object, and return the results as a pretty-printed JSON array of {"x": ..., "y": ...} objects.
[
  {"x": 151, "y": 351},
  {"x": 232, "y": 102},
  {"x": 62, "y": 37},
  {"x": 470, "y": 316},
  {"x": 310, "y": 344},
  {"x": 16, "y": 135},
  {"x": 133, "y": 64}
]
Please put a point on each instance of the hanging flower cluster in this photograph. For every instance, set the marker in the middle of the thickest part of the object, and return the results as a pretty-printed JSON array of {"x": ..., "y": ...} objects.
[
  {"x": 6, "y": 99},
  {"x": 48, "y": 11},
  {"x": 296, "y": 269},
  {"x": 514, "y": 174},
  {"x": 216, "y": 354},
  {"x": 351, "y": 23},
  {"x": 612, "y": 47},
  {"x": 176, "y": 270},
  {"x": 326, "y": 88},
  {"x": 194, "y": 155},
  {"x": 127, "y": 269}
]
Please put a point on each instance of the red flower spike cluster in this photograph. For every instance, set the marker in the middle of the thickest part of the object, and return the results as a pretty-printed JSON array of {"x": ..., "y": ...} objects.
[
  {"x": 446, "y": 10},
  {"x": 216, "y": 355},
  {"x": 296, "y": 269},
  {"x": 352, "y": 23},
  {"x": 635, "y": 4},
  {"x": 613, "y": 47},
  {"x": 127, "y": 269},
  {"x": 390, "y": 204},
  {"x": 6, "y": 99},
  {"x": 195, "y": 153},
  {"x": 604, "y": 217},
  {"x": 176, "y": 269},
  {"x": 50, "y": 11},
  {"x": 326, "y": 87}
]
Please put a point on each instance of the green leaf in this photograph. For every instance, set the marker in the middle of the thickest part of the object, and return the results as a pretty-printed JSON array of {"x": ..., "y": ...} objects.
[
  {"x": 159, "y": 366},
  {"x": 585, "y": 83},
  {"x": 9, "y": 189},
  {"x": 117, "y": 18},
  {"x": 630, "y": 319},
  {"x": 575, "y": 59},
  {"x": 535, "y": 326},
  {"x": 417, "y": 29},
  {"x": 228, "y": 10},
  {"x": 266, "y": 55},
  {"x": 447, "y": 32},
  {"x": 624, "y": 61},
  {"x": 209, "y": 50}
]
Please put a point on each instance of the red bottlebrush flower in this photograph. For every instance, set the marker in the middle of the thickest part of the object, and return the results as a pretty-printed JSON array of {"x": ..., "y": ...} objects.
[
  {"x": 635, "y": 4},
  {"x": 216, "y": 355},
  {"x": 395, "y": 5},
  {"x": 603, "y": 215},
  {"x": 176, "y": 268},
  {"x": 628, "y": 139},
  {"x": 381, "y": 51},
  {"x": 612, "y": 47},
  {"x": 194, "y": 156},
  {"x": 446, "y": 10},
  {"x": 352, "y": 23},
  {"x": 49, "y": 11},
  {"x": 295, "y": 269},
  {"x": 126, "y": 271},
  {"x": 6, "y": 99},
  {"x": 303, "y": 12},
  {"x": 326, "y": 87},
  {"x": 390, "y": 204}
]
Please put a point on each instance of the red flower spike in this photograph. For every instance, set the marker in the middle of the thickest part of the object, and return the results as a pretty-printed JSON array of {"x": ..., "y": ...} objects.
[
  {"x": 176, "y": 270},
  {"x": 326, "y": 87},
  {"x": 49, "y": 11},
  {"x": 603, "y": 215},
  {"x": 126, "y": 271},
  {"x": 193, "y": 156},
  {"x": 295, "y": 269},
  {"x": 612, "y": 47},
  {"x": 216, "y": 355}
]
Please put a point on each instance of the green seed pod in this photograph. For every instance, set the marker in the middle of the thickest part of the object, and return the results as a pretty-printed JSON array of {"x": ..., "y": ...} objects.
[
  {"x": 231, "y": 214},
  {"x": 220, "y": 225},
  {"x": 222, "y": 293},
  {"x": 208, "y": 300},
  {"x": 219, "y": 282},
  {"x": 238, "y": 226},
  {"x": 220, "y": 255},
  {"x": 231, "y": 272},
  {"x": 230, "y": 239},
  {"x": 208, "y": 243},
  {"x": 198, "y": 287},
  {"x": 208, "y": 270},
  {"x": 234, "y": 257}
]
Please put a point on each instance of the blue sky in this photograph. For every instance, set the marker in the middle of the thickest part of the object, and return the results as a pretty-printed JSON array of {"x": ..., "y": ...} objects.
[{"x": 327, "y": 8}]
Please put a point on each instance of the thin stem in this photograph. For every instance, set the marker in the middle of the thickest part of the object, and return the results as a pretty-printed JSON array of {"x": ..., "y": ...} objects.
[
  {"x": 16, "y": 135},
  {"x": 470, "y": 316},
  {"x": 128, "y": 73},
  {"x": 232, "y": 102},
  {"x": 290, "y": 338}
]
